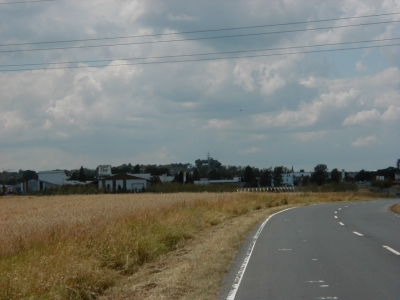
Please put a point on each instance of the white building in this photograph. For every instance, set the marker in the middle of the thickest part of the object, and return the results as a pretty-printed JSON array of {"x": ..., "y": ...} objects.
[
  {"x": 166, "y": 179},
  {"x": 124, "y": 182},
  {"x": 104, "y": 171},
  {"x": 287, "y": 179},
  {"x": 53, "y": 177}
]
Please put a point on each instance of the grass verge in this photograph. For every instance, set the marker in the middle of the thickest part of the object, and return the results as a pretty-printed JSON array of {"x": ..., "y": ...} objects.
[
  {"x": 395, "y": 208},
  {"x": 80, "y": 247}
]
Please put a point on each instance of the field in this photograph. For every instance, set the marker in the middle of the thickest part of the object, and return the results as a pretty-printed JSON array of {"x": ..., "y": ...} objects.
[{"x": 84, "y": 246}]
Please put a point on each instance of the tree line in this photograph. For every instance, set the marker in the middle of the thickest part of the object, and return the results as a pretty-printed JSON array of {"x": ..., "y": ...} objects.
[{"x": 213, "y": 170}]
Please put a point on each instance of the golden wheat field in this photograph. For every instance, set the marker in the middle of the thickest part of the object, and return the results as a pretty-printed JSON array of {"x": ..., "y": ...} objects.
[
  {"x": 77, "y": 247},
  {"x": 26, "y": 221}
]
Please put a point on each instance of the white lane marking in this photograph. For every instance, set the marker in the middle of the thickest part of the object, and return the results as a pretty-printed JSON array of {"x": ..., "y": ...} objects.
[
  {"x": 324, "y": 285},
  {"x": 339, "y": 208},
  {"x": 285, "y": 249},
  {"x": 335, "y": 217},
  {"x": 315, "y": 281},
  {"x": 335, "y": 212},
  {"x": 391, "y": 250},
  {"x": 314, "y": 259},
  {"x": 355, "y": 232},
  {"x": 341, "y": 223},
  {"x": 326, "y": 298},
  {"x": 239, "y": 275}
]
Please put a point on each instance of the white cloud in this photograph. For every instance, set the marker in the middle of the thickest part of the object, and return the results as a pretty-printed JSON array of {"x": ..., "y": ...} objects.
[
  {"x": 366, "y": 117},
  {"x": 392, "y": 114},
  {"x": 362, "y": 117},
  {"x": 219, "y": 124},
  {"x": 360, "y": 67},
  {"x": 310, "y": 135},
  {"x": 387, "y": 99},
  {"x": 156, "y": 113},
  {"x": 362, "y": 142},
  {"x": 249, "y": 150},
  {"x": 181, "y": 17}
]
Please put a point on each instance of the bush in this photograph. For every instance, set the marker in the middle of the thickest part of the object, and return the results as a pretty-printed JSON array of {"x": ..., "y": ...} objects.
[{"x": 190, "y": 188}]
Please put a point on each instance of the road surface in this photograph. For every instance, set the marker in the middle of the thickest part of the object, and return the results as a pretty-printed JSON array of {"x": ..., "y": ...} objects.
[{"x": 327, "y": 251}]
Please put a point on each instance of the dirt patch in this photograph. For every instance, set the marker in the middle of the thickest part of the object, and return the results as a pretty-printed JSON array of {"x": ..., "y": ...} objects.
[
  {"x": 395, "y": 208},
  {"x": 194, "y": 271}
]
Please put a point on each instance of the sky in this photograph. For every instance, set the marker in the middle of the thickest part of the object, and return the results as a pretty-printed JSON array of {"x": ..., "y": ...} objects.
[{"x": 259, "y": 83}]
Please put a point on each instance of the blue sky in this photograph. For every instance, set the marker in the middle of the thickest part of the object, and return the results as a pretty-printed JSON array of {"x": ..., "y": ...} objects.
[{"x": 339, "y": 108}]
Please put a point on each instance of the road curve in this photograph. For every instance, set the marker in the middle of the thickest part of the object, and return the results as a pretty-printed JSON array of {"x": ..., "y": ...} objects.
[{"x": 327, "y": 251}]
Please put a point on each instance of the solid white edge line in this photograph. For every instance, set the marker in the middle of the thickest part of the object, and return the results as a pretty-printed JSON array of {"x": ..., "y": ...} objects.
[
  {"x": 239, "y": 275},
  {"x": 391, "y": 250}
]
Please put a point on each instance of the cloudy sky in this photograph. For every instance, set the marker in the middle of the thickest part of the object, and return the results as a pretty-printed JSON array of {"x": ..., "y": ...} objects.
[{"x": 92, "y": 82}]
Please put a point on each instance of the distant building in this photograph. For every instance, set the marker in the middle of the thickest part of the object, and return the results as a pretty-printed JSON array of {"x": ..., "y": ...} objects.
[
  {"x": 53, "y": 177},
  {"x": 166, "y": 179},
  {"x": 298, "y": 177},
  {"x": 142, "y": 175},
  {"x": 104, "y": 171},
  {"x": 287, "y": 179},
  {"x": 126, "y": 182}
]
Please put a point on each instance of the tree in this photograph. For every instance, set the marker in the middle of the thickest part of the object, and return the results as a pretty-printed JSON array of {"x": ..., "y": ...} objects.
[
  {"x": 136, "y": 169},
  {"x": 265, "y": 177},
  {"x": 320, "y": 174},
  {"x": 364, "y": 176},
  {"x": 277, "y": 176},
  {"x": 178, "y": 177},
  {"x": 28, "y": 175},
  {"x": 196, "y": 174},
  {"x": 382, "y": 184},
  {"x": 74, "y": 175},
  {"x": 81, "y": 175},
  {"x": 155, "y": 180},
  {"x": 214, "y": 175},
  {"x": 336, "y": 176},
  {"x": 249, "y": 178}
]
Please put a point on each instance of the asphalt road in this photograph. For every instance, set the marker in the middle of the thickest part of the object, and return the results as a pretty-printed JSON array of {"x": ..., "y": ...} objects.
[{"x": 327, "y": 251}]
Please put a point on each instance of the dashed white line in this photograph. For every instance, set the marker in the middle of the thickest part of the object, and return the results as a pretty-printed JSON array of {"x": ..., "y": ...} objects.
[
  {"x": 341, "y": 223},
  {"x": 285, "y": 249},
  {"x": 355, "y": 232},
  {"x": 324, "y": 285},
  {"x": 335, "y": 212},
  {"x": 315, "y": 281},
  {"x": 339, "y": 208},
  {"x": 391, "y": 250}
]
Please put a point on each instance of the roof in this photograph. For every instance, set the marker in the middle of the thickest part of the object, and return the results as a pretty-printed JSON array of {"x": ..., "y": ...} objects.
[
  {"x": 122, "y": 177},
  {"x": 55, "y": 171}
]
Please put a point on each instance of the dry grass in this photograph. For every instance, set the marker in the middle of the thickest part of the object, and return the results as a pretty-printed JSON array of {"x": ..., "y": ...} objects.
[
  {"x": 77, "y": 247},
  {"x": 395, "y": 208}
]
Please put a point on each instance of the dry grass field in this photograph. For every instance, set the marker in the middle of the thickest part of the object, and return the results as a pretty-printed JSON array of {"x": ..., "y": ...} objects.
[{"x": 83, "y": 246}]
